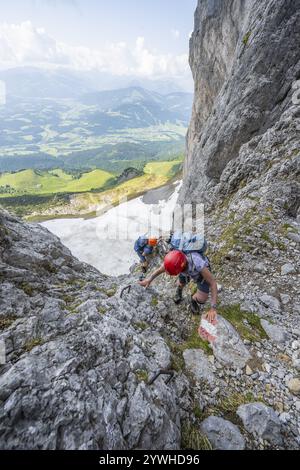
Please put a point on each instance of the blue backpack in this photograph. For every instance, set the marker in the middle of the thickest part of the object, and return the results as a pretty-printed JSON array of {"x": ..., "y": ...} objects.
[{"x": 189, "y": 242}]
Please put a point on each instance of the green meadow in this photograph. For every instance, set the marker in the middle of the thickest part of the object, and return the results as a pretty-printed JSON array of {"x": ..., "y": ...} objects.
[
  {"x": 36, "y": 182},
  {"x": 37, "y": 195}
]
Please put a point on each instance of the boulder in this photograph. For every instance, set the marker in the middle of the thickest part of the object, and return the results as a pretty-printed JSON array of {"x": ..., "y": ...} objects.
[
  {"x": 229, "y": 348},
  {"x": 270, "y": 302},
  {"x": 275, "y": 333},
  {"x": 261, "y": 420},
  {"x": 287, "y": 269},
  {"x": 199, "y": 365},
  {"x": 222, "y": 434},
  {"x": 294, "y": 237},
  {"x": 294, "y": 386}
]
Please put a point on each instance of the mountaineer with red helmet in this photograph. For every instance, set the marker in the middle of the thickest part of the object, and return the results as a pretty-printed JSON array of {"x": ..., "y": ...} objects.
[{"x": 190, "y": 266}]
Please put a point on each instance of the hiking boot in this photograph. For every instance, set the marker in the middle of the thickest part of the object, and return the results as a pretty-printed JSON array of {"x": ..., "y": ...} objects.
[{"x": 178, "y": 296}]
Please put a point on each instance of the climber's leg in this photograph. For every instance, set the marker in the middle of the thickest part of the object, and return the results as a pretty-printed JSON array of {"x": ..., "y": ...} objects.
[
  {"x": 200, "y": 298},
  {"x": 181, "y": 283}
]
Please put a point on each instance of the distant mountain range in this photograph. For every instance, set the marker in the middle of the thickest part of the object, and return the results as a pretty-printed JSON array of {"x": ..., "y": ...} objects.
[
  {"x": 30, "y": 82},
  {"x": 136, "y": 107},
  {"x": 58, "y": 118}
]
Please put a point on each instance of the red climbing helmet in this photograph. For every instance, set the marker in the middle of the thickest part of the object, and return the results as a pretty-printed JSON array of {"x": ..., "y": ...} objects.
[{"x": 175, "y": 262}]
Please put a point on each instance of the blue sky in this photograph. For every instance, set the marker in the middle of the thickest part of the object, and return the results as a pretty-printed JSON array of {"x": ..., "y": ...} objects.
[
  {"x": 91, "y": 22},
  {"x": 125, "y": 37}
]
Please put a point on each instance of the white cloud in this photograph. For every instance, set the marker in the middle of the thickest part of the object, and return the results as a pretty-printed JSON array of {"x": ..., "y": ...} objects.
[
  {"x": 24, "y": 44},
  {"x": 175, "y": 33}
]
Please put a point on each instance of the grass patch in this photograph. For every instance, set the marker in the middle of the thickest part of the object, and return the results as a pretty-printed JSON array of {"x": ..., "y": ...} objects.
[
  {"x": 265, "y": 236},
  {"x": 231, "y": 236},
  {"x": 111, "y": 291},
  {"x": 193, "y": 439},
  {"x": 228, "y": 406},
  {"x": 286, "y": 228},
  {"x": 76, "y": 283},
  {"x": 247, "y": 324},
  {"x": 246, "y": 38},
  {"x": 281, "y": 246},
  {"x": 234, "y": 232},
  {"x": 102, "y": 310},
  {"x": 154, "y": 302},
  {"x": 6, "y": 322},
  {"x": 27, "y": 288},
  {"x": 50, "y": 268},
  {"x": 166, "y": 169},
  {"x": 194, "y": 341},
  {"x": 140, "y": 326},
  {"x": 141, "y": 375},
  {"x": 32, "y": 344},
  {"x": 108, "y": 292},
  {"x": 198, "y": 412}
]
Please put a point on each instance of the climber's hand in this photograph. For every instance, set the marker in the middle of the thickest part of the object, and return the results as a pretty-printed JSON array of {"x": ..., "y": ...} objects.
[
  {"x": 211, "y": 316},
  {"x": 145, "y": 283}
]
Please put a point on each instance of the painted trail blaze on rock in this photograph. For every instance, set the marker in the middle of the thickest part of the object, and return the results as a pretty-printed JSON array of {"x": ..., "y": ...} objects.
[{"x": 207, "y": 330}]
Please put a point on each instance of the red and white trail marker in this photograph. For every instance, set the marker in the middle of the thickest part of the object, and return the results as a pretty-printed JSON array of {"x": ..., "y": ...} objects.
[{"x": 208, "y": 330}]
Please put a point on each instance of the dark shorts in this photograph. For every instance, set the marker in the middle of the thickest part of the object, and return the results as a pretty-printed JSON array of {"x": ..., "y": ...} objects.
[{"x": 202, "y": 285}]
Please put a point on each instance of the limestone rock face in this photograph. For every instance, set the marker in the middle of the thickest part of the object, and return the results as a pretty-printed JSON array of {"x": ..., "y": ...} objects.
[
  {"x": 76, "y": 362},
  {"x": 244, "y": 70}
]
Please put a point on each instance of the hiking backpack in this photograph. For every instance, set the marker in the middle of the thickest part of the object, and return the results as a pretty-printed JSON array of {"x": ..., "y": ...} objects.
[{"x": 188, "y": 242}]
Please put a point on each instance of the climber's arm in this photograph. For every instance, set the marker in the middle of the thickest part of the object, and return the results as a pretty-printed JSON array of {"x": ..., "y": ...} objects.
[
  {"x": 158, "y": 272},
  {"x": 209, "y": 278}
]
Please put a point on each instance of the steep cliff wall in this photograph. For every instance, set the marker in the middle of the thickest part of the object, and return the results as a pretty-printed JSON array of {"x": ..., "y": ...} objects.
[{"x": 244, "y": 55}]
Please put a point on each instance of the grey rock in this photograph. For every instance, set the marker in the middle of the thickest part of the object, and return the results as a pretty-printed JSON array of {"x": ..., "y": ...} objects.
[
  {"x": 275, "y": 333},
  {"x": 285, "y": 417},
  {"x": 270, "y": 302},
  {"x": 199, "y": 365},
  {"x": 261, "y": 420},
  {"x": 287, "y": 269},
  {"x": 285, "y": 299},
  {"x": 229, "y": 348},
  {"x": 260, "y": 268},
  {"x": 222, "y": 434},
  {"x": 297, "y": 405},
  {"x": 294, "y": 237},
  {"x": 296, "y": 364},
  {"x": 294, "y": 386}
]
